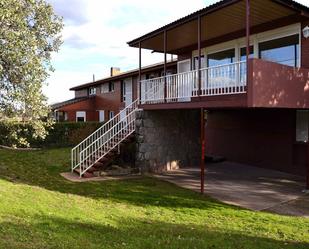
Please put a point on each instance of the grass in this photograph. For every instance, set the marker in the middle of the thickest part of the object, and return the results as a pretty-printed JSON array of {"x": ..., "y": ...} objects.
[{"x": 40, "y": 209}]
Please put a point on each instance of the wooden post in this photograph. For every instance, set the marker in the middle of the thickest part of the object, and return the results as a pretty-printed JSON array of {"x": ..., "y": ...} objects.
[
  {"x": 140, "y": 70},
  {"x": 202, "y": 150},
  {"x": 165, "y": 47},
  {"x": 199, "y": 55}
]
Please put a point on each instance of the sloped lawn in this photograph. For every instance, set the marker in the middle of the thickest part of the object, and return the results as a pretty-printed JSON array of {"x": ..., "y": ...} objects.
[{"x": 40, "y": 209}]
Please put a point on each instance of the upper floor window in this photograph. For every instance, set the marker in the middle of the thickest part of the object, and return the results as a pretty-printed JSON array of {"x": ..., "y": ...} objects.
[
  {"x": 123, "y": 91},
  {"x": 111, "y": 86},
  {"x": 111, "y": 114},
  {"x": 283, "y": 50},
  {"x": 105, "y": 88},
  {"x": 195, "y": 62},
  {"x": 221, "y": 58},
  {"x": 92, "y": 91},
  {"x": 243, "y": 53}
]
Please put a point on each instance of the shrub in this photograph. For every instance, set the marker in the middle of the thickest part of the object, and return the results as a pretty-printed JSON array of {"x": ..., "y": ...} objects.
[{"x": 63, "y": 134}]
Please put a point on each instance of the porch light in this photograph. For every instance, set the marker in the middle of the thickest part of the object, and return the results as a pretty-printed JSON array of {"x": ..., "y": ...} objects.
[{"x": 306, "y": 32}]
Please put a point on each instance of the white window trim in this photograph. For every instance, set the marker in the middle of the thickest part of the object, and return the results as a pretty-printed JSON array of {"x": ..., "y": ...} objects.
[
  {"x": 101, "y": 111},
  {"x": 83, "y": 116},
  {"x": 94, "y": 92},
  {"x": 254, "y": 41},
  {"x": 111, "y": 116}
]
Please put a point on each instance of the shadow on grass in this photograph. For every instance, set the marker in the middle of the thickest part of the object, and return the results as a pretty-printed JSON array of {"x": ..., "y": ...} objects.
[
  {"x": 55, "y": 232},
  {"x": 43, "y": 168}
]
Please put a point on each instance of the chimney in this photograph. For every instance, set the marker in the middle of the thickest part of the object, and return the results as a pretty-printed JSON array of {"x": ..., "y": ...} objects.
[{"x": 115, "y": 71}]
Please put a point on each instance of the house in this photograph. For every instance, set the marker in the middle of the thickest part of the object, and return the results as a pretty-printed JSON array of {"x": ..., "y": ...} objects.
[
  {"x": 241, "y": 91},
  {"x": 101, "y": 100}
]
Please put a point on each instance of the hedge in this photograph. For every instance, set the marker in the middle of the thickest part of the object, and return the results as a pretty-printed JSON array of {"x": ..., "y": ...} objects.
[{"x": 63, "y": 134}]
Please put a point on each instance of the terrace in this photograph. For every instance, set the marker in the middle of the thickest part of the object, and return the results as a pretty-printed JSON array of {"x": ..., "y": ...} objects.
[{"x": 228, "y": 55}]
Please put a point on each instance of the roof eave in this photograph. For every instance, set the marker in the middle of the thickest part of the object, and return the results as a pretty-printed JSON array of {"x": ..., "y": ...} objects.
[{"x": 302, "y": 9}]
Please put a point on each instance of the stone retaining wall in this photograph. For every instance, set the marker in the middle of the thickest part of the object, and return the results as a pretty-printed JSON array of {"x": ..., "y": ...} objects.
[{"x": 167, "y": 139}]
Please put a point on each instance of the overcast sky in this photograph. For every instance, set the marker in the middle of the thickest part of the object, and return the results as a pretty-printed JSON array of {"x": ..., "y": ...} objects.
[{"x": 96, "y": 33}]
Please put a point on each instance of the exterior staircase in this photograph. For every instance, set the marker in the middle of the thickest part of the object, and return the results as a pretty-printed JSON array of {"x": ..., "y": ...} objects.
[{"x": 98, "y": 149}]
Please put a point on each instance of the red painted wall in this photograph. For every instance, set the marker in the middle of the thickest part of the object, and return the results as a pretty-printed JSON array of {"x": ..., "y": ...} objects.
[
  {"x": 87, "y": 105},
  {"x": 277, "y": 86},
  {"x": 260, "y": 137}
]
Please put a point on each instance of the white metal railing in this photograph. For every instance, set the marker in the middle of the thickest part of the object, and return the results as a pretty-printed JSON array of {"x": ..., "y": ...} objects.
[
  {"x": 152, "y": 90},
  {"x": 217, "y": 80},
  {"x": 103, "y": 140}
]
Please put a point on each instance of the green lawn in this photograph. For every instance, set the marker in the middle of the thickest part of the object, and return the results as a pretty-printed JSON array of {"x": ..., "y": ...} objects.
[{"x": 40, "y": 209}]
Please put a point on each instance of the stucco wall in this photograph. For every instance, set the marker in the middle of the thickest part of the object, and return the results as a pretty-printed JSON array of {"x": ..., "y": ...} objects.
[{"x": 167, "y": 139}]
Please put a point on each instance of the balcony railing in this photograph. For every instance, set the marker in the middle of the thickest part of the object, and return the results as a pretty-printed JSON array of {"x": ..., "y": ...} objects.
[{"x": 181, "y": 87}]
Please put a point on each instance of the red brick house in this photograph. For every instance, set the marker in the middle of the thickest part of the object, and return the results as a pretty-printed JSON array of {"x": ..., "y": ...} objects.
[
  {"x": 102, "y": 99},
  {"x": 243, "y": 69}
]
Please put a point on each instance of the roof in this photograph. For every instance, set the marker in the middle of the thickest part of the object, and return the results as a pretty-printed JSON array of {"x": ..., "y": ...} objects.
[
  {"x": 209, "y": 9},
  {"x": 125, "y": 74},
  {"x": 68, "y": 102}
]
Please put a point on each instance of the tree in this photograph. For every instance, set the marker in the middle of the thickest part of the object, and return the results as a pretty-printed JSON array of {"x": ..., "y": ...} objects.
[{"x": 29, "y": 34}]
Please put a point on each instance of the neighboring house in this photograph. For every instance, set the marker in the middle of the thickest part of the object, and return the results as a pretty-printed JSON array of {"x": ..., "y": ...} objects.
[
  {"x": 102, "y": 99},
  {"x": 247, "y": 64}
]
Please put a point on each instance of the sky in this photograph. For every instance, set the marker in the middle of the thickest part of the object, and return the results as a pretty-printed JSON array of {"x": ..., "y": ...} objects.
[{"x": 96, "y": 33}]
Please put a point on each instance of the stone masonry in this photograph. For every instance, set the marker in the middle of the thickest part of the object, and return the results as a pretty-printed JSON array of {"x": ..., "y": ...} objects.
[{"x": 167, "y": 139}]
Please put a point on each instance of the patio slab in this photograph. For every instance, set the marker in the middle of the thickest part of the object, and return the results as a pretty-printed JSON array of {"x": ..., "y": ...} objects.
[
  {"x": 246, "y": 186},
  {"x": 75, "y": 178}
]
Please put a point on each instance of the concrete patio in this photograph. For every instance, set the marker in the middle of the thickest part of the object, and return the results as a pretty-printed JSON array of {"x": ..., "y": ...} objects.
[{"x": 246, "y": 186}]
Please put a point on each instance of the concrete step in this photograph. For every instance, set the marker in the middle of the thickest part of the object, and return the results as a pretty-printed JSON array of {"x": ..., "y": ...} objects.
[{"x": 85, "y": 175}]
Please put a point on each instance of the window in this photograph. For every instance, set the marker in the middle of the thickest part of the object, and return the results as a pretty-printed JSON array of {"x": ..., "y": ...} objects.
[
  {"x": 243, "y": 53},
  {"x": 92, "y": 91},
  {"x": 302, "y": 126},
  {"x": 111, "y": 87},
  {"x": 221, "y": 58},
  {"x": 284, "y": 50},
  {"x": 105, "y": 88},
  {"x": 80, "y": 116},
  {"x": 195, "y": 62},
  {"x": 101, "y": 115},
  {"x": 123, "y": 91},
  {"x": 111, "y": 114}
]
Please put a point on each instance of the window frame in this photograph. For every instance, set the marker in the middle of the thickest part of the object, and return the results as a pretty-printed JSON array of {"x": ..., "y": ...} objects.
[
  {"x": 297, "y": 52},
  {"x": 94, "y": 92},
  {"x": 111, "y": 86}
]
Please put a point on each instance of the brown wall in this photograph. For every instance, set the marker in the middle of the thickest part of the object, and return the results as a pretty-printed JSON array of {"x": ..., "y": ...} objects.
[
  {"x": 260, "y": 137},
  {"x": 87, "y": 105},
  {"x": 110, "y": 101},
  {"x": 274, "y": 85}
]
